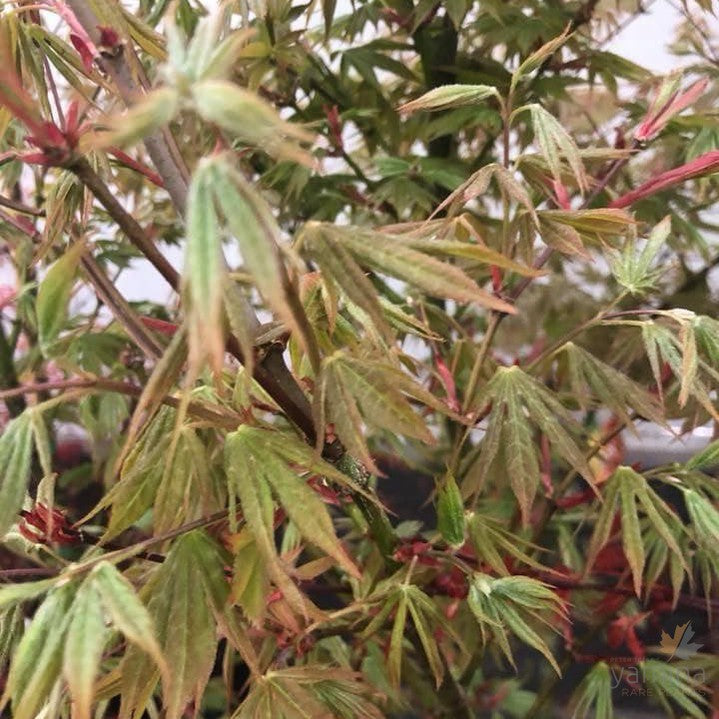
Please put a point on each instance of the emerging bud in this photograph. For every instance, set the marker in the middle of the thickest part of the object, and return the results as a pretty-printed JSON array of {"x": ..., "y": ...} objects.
[
  {"x": 450, "y": 512},
  {"x": 662, "y": 110}
]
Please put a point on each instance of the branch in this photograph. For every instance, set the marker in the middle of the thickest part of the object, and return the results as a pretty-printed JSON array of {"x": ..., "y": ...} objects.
[
  {"x": 10, "y": 574},
  {"x": 683, "y": 599},
  {"x": 161, "y": 146},
  {"x": 134, "y": 550},
  {"x": 200, "y": 410},
  {"x": 139, "y": 548},
  {"x": 271, "y": 373},
  {"x": 20, "y": 207},
  {"x": 125, "y": 221}
]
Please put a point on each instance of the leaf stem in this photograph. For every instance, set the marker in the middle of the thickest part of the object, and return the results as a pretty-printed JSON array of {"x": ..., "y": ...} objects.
[
  {"x": 489, "y": 333},
  {"x": 493, "y": 324},
  {"x": 506, "y": 115},
  {"x": 574, "y": 332}
]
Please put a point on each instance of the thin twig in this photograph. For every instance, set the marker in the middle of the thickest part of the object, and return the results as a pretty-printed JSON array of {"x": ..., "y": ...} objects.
[
  {"x": 22, "y": 224},
  {"x": 138, "y": 548},
  {"x": 632, "y": 312},
  {"x": 599, "y": 317},
  {"x": 489, "y": 333},
  {"x": 580, "y": 18},
  {"x": 134, "y": 550},
  {"x": 22, "y": 572},
  {"x": 119, "y": 307},
  {"x": 200, "y": 410},
  {"x": 550, "y": 507},
  {"x": 50, "y": 79},
  {"x": 20, "y": 207}
]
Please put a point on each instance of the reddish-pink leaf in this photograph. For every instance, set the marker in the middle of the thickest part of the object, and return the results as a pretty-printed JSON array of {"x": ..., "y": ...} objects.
[
  {"x": 165, "y": 328},
  {"x": 17, "y": 100},
  {"x": 133, "y": 164},
  {"x": 86, "y": 54},
  {"x": 703, "y": 165},
  {"x": 36, "y": 158},
  {"x": 561, "y": 195},
  {"x": 657, "y": 118},
  {"x": 64, "y": 11},
  {"x": 623, "y": 631},
  {"x": 447, "y": 380},
  {"x": 496, "y": 275}
]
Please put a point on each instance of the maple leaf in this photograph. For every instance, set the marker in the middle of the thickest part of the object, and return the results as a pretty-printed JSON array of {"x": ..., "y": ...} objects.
[{"x": 680, "y": 642}]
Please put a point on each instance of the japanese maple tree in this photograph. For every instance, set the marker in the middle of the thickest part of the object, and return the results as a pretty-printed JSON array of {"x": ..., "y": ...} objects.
[{"x": 446, "y": 252}]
